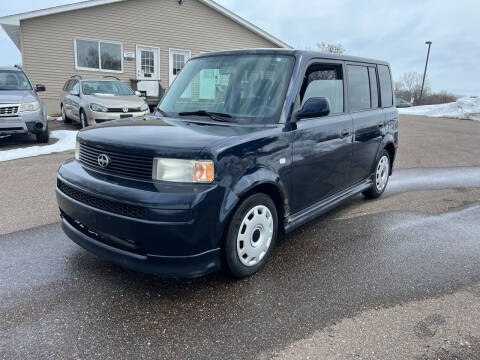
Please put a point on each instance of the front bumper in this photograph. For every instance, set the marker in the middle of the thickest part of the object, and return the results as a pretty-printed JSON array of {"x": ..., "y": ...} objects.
[
  {"x": 173, "y": 239},
  {"x": 22, "y": 123},
  {"x": 101, "y": 117}
]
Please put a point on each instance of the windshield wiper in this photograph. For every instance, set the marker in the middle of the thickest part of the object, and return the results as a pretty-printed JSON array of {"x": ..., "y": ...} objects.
[{"x": 213, "y": 115}]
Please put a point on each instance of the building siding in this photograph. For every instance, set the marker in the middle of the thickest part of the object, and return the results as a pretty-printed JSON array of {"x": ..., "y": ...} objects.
[{"x": 48, "y": 45}]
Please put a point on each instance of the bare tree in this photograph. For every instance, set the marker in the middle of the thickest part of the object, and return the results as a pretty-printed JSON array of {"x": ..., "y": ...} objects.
[
  {"x": 331, "y": 48},
  {"x": 409, "y": 86}
]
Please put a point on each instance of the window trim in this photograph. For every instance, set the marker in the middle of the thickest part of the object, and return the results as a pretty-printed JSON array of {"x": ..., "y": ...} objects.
[
  {"x": 99, "y": 56},
  {"x": 171, "y": 51},
  {"x": 321, "y": 61},
  {"x": 374, "y": 67}
]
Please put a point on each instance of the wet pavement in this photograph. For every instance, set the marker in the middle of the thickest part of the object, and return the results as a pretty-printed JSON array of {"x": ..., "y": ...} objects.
[{"x": 58, "y": 301}]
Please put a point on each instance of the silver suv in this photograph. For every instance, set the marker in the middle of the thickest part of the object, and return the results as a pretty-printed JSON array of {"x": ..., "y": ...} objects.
[
  {"x": 93, "y": 101},
  {"x": 21, "y": 110}
]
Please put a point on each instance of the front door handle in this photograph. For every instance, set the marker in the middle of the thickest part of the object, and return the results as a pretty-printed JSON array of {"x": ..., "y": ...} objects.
[{"x": 345, "y": 132}]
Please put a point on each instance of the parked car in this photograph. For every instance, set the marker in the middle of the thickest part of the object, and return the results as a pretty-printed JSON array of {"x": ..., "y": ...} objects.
[
  {"x": 400, "y": 103},
  {"x": 93, "y": 101},
  {"x": 213, "y": 178},
  {"x": 21, "y": 110}
]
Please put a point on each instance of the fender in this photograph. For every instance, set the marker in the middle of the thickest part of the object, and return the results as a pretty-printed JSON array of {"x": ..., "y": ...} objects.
[
  {"x": 260, "y": 176},
  {"x": 387, "y": 139}
]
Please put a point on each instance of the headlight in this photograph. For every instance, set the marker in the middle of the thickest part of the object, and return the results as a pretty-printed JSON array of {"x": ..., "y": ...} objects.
[
  {"x": 30, "y": 106},
  {"x": 99, "y": 108},
  {"x": 77, "y": 151},
  {"x": 144, "y": 107},
  {"x": 187, "y": 171}
]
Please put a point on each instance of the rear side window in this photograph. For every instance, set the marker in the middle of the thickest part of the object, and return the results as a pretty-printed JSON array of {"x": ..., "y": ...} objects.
[
  {"x": 358, "y": 87},
  {"x": 324, "y": 80},
  {"x": 385, "y": 85},
  {"x": 373, "y": 87}
]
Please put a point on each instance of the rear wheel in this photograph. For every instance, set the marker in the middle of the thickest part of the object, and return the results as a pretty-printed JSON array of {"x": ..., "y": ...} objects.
[
  {"x": 251, "y": 235},
  {"x": 83, "y": 119},
  {"x": 382, "y": 174},
  {"x": 65, "y": 118}
]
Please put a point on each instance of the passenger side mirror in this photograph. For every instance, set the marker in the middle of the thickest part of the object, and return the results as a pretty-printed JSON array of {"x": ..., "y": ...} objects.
[
  {"x": 40, "y": 88},
  {"x": 74, "y": 92},
  {"x": 313, "y": 107},
  {"x": 138, "y": 93}
]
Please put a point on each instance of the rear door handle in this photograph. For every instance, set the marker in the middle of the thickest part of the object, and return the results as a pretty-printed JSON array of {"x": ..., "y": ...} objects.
[{"x": 345, "y": 132}]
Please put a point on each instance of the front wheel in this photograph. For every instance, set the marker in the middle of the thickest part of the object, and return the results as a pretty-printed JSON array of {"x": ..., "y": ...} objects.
[
  {"x": 382, "y": 174},
  {"x": 251, "y": 235},
  {"x": 43, "y": 137},
  {"x": 83, "y": 119}
]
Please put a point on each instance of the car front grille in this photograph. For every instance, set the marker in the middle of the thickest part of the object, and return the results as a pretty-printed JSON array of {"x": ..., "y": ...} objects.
[
  {"x": 123, "y": 164},
  {"x": 8, "y": 109},
  {"x": 120, "y": 110},
  {"x": 115, "y": 207}
]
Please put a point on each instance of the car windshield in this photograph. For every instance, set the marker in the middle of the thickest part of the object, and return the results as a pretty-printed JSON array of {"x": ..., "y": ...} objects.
[
  {"x": 115, "y": 88},
  {"x": 235, "y": 88},
  {"x": 14, "y": 80}
]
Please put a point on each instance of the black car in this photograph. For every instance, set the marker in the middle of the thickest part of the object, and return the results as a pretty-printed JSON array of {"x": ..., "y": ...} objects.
[{"x": 245, "y": 145}]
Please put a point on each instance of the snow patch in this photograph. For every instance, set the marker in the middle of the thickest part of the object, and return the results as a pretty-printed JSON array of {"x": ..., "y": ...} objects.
[
  {"x": 464, "y": 108},
  {"x": 66, "y": 141}
]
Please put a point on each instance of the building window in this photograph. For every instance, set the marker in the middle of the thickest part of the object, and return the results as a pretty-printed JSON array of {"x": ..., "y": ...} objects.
[{"x": 95, "y": 55}]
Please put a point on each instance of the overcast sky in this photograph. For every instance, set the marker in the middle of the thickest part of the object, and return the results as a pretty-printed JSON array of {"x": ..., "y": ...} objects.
[{"x": 395, "y": 31}]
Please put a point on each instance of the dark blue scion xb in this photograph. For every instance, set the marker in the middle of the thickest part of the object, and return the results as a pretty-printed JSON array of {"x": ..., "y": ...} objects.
[{"x": 245, "y": 144}]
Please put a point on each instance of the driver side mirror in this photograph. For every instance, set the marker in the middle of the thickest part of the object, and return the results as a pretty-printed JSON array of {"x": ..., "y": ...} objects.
[
  {"x": 74, "y": 92},
  {"x": 40, "y": 88},
  {"x": 313, "y": 107}
]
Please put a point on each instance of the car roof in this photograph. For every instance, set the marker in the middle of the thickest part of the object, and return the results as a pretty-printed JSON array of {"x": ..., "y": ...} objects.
[
  {"x": 10, "y": 68},
  {"x": 307, "y": 54}
]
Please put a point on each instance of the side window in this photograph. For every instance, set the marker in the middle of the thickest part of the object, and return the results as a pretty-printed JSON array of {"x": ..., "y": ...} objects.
[
  {"x": 324, "y": 80},
  {"x": 75, "y": 85},
  {"x": 385, "y": 85},
  {"x": 373, "y": 87},
  {"x": 358, "y": 87}
]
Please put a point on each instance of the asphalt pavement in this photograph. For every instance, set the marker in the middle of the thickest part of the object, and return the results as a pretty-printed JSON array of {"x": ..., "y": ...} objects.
[{"x": 393, "y": 278}]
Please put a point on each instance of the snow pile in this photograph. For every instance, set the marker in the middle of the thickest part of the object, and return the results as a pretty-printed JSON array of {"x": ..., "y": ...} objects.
[
  {"x": 464, "y": 108},
  {"x": 66, "y": 141}
]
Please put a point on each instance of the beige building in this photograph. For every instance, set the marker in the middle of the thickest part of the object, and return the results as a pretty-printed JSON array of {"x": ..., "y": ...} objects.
[{"x": 142, "y": 42}]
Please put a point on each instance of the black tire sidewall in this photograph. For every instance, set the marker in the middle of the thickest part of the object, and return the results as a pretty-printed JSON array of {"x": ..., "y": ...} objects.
[
  {"x": 83, "y": 116},
  {"x": 231, "y": 260},
  {"x": 43, "y": 137}
]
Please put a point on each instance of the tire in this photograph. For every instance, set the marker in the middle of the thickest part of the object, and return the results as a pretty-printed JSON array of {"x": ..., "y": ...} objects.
[
  {"x": 65, "y": 118},
  {"x": 251, "y": 235},
  {"x": 381, "y": 176},
  {"x": 83, "y": 119},
  {"x": 44, "y": 136}
]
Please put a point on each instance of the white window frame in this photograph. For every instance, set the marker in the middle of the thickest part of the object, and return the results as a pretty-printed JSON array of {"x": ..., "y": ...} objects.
[
  {"x": 171, "y": 51},
  {"x": 99, "y": 55}
]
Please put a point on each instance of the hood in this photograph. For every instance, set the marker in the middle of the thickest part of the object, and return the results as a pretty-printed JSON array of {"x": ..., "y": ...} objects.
[
  {"x": 16, "y": 96},
  {"x": 115, "y": 101},
  {"x": 162, "y": 136}
]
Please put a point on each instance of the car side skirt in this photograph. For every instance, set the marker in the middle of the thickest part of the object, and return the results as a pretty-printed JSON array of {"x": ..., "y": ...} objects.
[{"x": 295, "y": 220}]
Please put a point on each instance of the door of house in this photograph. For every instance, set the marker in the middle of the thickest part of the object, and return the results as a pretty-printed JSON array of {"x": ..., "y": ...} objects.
[
  {"x": 148, "y": 69},
  {"x": 177, "y": 60}
]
